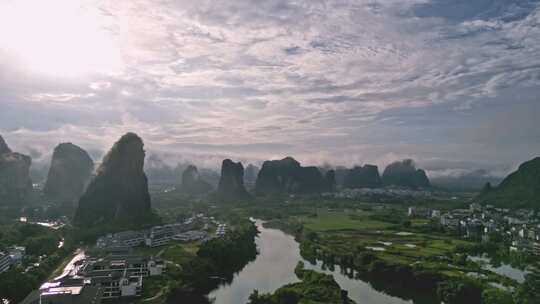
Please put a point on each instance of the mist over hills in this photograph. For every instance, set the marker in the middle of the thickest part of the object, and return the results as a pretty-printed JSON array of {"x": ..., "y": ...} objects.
[
  {"x": 519, "y": 189},
  {"x": 466, "y": 181}
]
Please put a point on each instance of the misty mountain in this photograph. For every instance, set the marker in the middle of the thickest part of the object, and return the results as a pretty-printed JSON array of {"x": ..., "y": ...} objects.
[
  {"x": 231, "y": 184},
  {"x": 15, "y": 182},
  {"x": 69, "y": 173},
  {"x": 519, "y": 189},
  {"x": 287, "y": 176},
  {"x": 362, "y": 177},
  {"x": 404, "y": 174}
]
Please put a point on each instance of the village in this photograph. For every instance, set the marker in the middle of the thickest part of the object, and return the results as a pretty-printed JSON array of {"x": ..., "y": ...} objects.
[{"x": 519, "y": 229}]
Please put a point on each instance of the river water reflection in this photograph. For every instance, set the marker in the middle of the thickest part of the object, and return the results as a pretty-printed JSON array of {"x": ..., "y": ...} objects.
[
  {"x": 503, "y": 269},
  {"x": 274, "y": 267}
]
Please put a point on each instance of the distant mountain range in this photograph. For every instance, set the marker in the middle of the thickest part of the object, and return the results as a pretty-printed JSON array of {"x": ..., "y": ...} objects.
[
  {"x": 519, "y": 189},
  {"x": 120, "y": 180}
]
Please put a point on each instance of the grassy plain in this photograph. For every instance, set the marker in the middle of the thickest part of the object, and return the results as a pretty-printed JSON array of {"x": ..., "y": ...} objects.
[{"x": 344, "y": 230}]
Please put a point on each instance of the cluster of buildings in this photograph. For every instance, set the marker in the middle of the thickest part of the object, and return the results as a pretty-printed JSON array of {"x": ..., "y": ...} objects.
[
  {"x": 12, "y": 256},
  {"x": 117, "y": 275},
  {"x": 520, "y": 229},
  {"x": 193, "y": 229},
  {"x": 394, "y": 192}
]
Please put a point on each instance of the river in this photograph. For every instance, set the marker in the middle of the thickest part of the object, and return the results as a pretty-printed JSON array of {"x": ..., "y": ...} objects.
[{"x": 274, "y": 267}]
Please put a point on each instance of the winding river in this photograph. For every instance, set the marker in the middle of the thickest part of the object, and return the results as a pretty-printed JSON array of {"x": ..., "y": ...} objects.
[{"x": 274, "y": 267}]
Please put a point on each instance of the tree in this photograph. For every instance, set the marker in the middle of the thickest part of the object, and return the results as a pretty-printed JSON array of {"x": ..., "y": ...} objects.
[
  {"x": 529, "y": 291},
  {"x": 496, "y": 296},
  {"x": 459, "y": 291}
]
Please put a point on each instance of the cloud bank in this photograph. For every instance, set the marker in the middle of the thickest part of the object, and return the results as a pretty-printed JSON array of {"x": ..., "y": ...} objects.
[{"x": 348, "y": 82}]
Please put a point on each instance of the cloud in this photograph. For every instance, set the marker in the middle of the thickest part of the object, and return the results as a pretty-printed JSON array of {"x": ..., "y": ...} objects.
[{"x": 341, "y": 81}]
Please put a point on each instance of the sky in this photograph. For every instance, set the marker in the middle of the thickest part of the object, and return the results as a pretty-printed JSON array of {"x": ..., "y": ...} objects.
[{"x": 453, "y": 84}]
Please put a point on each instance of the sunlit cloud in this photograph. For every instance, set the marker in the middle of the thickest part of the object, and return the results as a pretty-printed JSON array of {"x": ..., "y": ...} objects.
[{"x": 63, "y": 38}]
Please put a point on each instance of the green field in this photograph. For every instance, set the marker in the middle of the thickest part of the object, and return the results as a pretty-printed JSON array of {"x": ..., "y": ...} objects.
[
  {"x": 342, "y": 220},
  {"x": 180, "y": 253}
]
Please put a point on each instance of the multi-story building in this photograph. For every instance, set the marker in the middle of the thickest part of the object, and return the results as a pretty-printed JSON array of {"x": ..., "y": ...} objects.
[
  {"x": 5, "y": 261},
  {"x": 122, "y": 239},
  {"x": 70, "y": 292},
  {"x": 536, "y": 248},
  {"x": 190, "y": 236},
  {"x": 120, "y": 276},
  {"x": 117, "y": 283},
  {"x": 159, "y": 235},
  {"x": 132, "y": 264}
]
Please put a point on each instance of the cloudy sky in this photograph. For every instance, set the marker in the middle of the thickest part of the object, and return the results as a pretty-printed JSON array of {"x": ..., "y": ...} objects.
[{"x": 454, "y": 84}]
